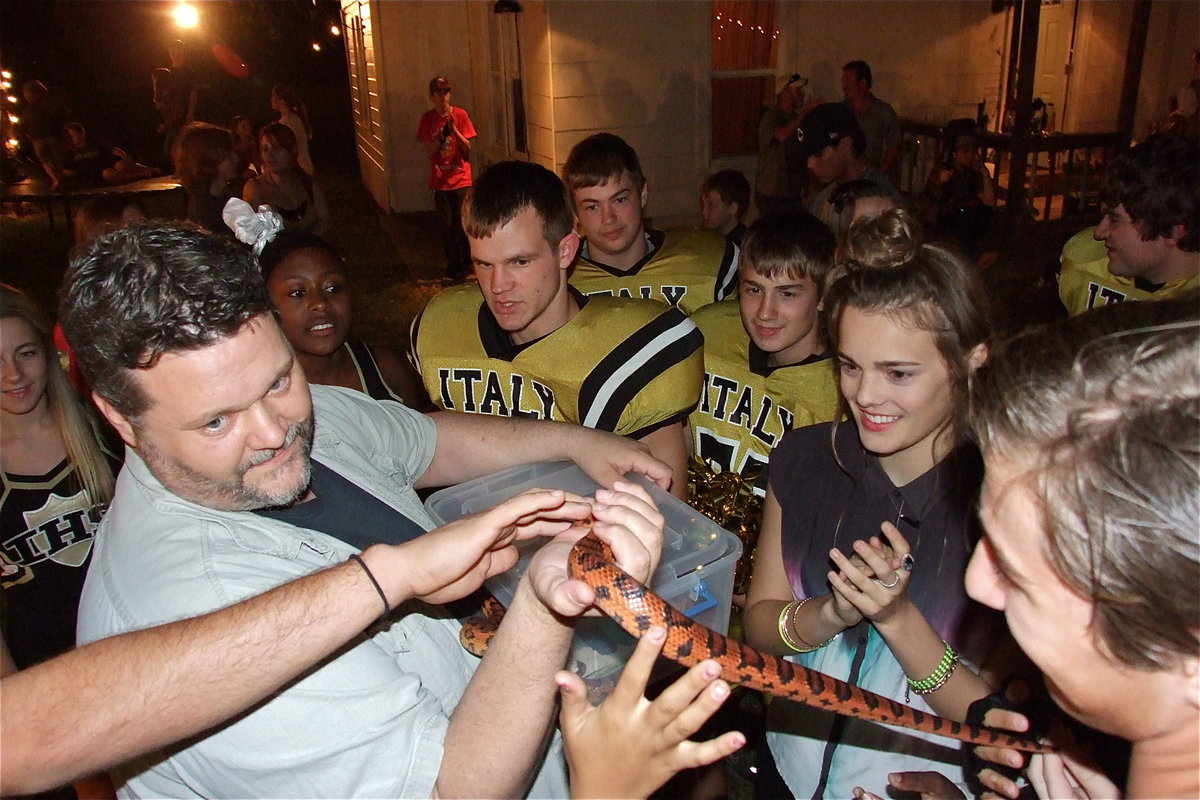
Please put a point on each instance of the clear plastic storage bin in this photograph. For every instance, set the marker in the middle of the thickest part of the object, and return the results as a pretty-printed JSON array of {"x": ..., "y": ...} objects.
[{"x": 695, "y": 573}]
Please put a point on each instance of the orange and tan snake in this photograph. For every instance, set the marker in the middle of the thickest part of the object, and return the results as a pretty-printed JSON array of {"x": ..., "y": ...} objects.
[{"x": 636, "y": 609}]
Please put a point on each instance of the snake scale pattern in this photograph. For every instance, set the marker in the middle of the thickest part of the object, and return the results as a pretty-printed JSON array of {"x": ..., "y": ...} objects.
[{"x": 635, "y": 608}]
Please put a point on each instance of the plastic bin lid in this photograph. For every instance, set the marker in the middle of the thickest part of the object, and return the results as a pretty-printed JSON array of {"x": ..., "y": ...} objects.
[{"x": 690, "y": 539}]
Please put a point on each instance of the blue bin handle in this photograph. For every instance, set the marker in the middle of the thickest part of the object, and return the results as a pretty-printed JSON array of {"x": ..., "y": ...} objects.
[{"x": 705, "y": 597}]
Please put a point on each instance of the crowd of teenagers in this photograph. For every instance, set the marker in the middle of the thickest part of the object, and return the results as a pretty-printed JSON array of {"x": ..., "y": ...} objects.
[
  {"x": 52, "y": 142},
  {"x": 269, "y": 167},
  {"x": 964, "y": 523}
]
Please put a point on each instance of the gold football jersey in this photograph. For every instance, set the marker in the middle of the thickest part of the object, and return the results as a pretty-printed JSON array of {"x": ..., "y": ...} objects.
[
  {"x": 746, "y": 406},
  {"x": 686, "y": 268},
  {"x": 1085, "y": 283},
  {"x": 626, "y": 366}
]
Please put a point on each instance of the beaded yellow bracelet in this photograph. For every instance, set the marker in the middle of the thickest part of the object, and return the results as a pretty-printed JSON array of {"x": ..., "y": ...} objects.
[
  {"x": 941, "y": 673},
  {"x": 787, "y": 623}
]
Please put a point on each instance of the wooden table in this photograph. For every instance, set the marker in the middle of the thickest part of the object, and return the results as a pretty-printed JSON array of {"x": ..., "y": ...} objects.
[{"x": 37, "y": 190}]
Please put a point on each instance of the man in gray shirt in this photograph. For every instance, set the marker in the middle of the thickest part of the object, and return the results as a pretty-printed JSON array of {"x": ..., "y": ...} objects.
[
  {"x": 877, "y": 119},
  {"x": 239, "y": 477}
]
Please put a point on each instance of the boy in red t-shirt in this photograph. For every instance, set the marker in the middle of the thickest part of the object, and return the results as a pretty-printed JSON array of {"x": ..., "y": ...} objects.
[{"x": 447, "y": 131}]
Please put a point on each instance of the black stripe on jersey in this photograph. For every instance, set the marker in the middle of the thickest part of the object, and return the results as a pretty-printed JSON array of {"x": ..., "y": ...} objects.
[
  {"x": 726, "y": 281},
  {"x": 656, "y": 240},
  {"x": 369, "y": 373},
  {"x": 414, "y": 330},
  {"x": 643, "y": 359},
  {"x": 496, "y": 343}
]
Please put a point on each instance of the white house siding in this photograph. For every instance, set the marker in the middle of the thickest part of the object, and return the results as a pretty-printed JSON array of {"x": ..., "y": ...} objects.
[
  {"x": 415, "y": 41},
  {"x": 364, "y": 71},
  {"x": 641, "y": 69}
]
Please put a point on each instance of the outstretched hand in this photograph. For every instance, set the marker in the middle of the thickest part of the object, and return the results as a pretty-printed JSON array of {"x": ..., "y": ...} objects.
[
  {"x": 628, "y": 746},
  {"x": 995, "y": 783},
  {"x": 1066, "y": 773},
  {"x": 454, "y": 560},
  {"x": 607, "y": 458},
  {"x": 927, "y": 785},
  {"x": 626, "y": 519}
]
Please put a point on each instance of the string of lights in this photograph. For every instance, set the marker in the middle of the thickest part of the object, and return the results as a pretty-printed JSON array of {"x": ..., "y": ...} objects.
[
  {"x": 9, "y": 112},
  {"x": 721, "y": 21}
]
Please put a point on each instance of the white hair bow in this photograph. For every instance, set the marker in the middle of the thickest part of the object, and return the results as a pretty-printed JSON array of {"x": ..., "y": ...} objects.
[{"x": 255, "y": 228}]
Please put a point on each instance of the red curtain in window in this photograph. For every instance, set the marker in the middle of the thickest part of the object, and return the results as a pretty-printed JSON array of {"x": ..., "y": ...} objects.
[
  {"x": 737, "y": 104},
  {"x": 744, "y": 37}
]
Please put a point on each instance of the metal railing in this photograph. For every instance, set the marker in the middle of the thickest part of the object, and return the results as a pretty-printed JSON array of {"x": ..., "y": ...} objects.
[{"x": 1061, "y": 174}]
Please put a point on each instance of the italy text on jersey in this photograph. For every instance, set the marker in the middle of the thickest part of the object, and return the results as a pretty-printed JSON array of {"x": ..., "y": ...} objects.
[
  {"x": 731, "y": 417},
  {"x": 1099, "y": 294},
  {"x": 671, "y": 294},
  {"x": 478, "y": 391},
  {"x": 742, "y": 411}
]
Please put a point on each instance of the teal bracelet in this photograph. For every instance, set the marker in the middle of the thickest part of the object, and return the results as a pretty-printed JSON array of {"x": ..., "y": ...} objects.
[{"x": 941, "y": 673}]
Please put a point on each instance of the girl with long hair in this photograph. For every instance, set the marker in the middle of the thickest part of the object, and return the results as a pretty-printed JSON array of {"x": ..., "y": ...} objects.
[
  {"x": 284, "y": 185},
  {"x": 869, "y": 521},
  {"x": 58, "y": 479}
]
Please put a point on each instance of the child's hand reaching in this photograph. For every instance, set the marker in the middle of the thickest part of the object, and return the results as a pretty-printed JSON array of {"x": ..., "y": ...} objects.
[{"x": 628, "y": 746}]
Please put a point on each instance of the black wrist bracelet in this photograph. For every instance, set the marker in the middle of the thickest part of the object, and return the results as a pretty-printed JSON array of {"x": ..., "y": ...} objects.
[{"x": 387, "y": 608}]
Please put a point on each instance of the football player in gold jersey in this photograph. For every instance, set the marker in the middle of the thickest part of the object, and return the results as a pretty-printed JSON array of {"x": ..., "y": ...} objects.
[
  {"x": 1148, "y": 243},
  {"x": 536, "y": 347},
  {"x": 687, "y": 267},
  {"x": 766, "y": 368}
]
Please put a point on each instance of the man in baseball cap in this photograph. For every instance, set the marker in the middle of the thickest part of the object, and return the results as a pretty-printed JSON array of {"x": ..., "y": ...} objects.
[
  {"x": 779, "y": 176},
  {"x": 833, "y": 146},
  {"x": 793, "y": 81},
  {"x": 446, "y": 131}
]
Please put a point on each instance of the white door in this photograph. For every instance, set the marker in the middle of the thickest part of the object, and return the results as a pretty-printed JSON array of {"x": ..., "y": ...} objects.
[
  {"x": 505, "y": 89},
  {"x": 1055, "y": 34}
]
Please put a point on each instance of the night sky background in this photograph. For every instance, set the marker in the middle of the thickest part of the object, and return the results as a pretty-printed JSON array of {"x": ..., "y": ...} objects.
[{"x": 98, "y": 54}]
